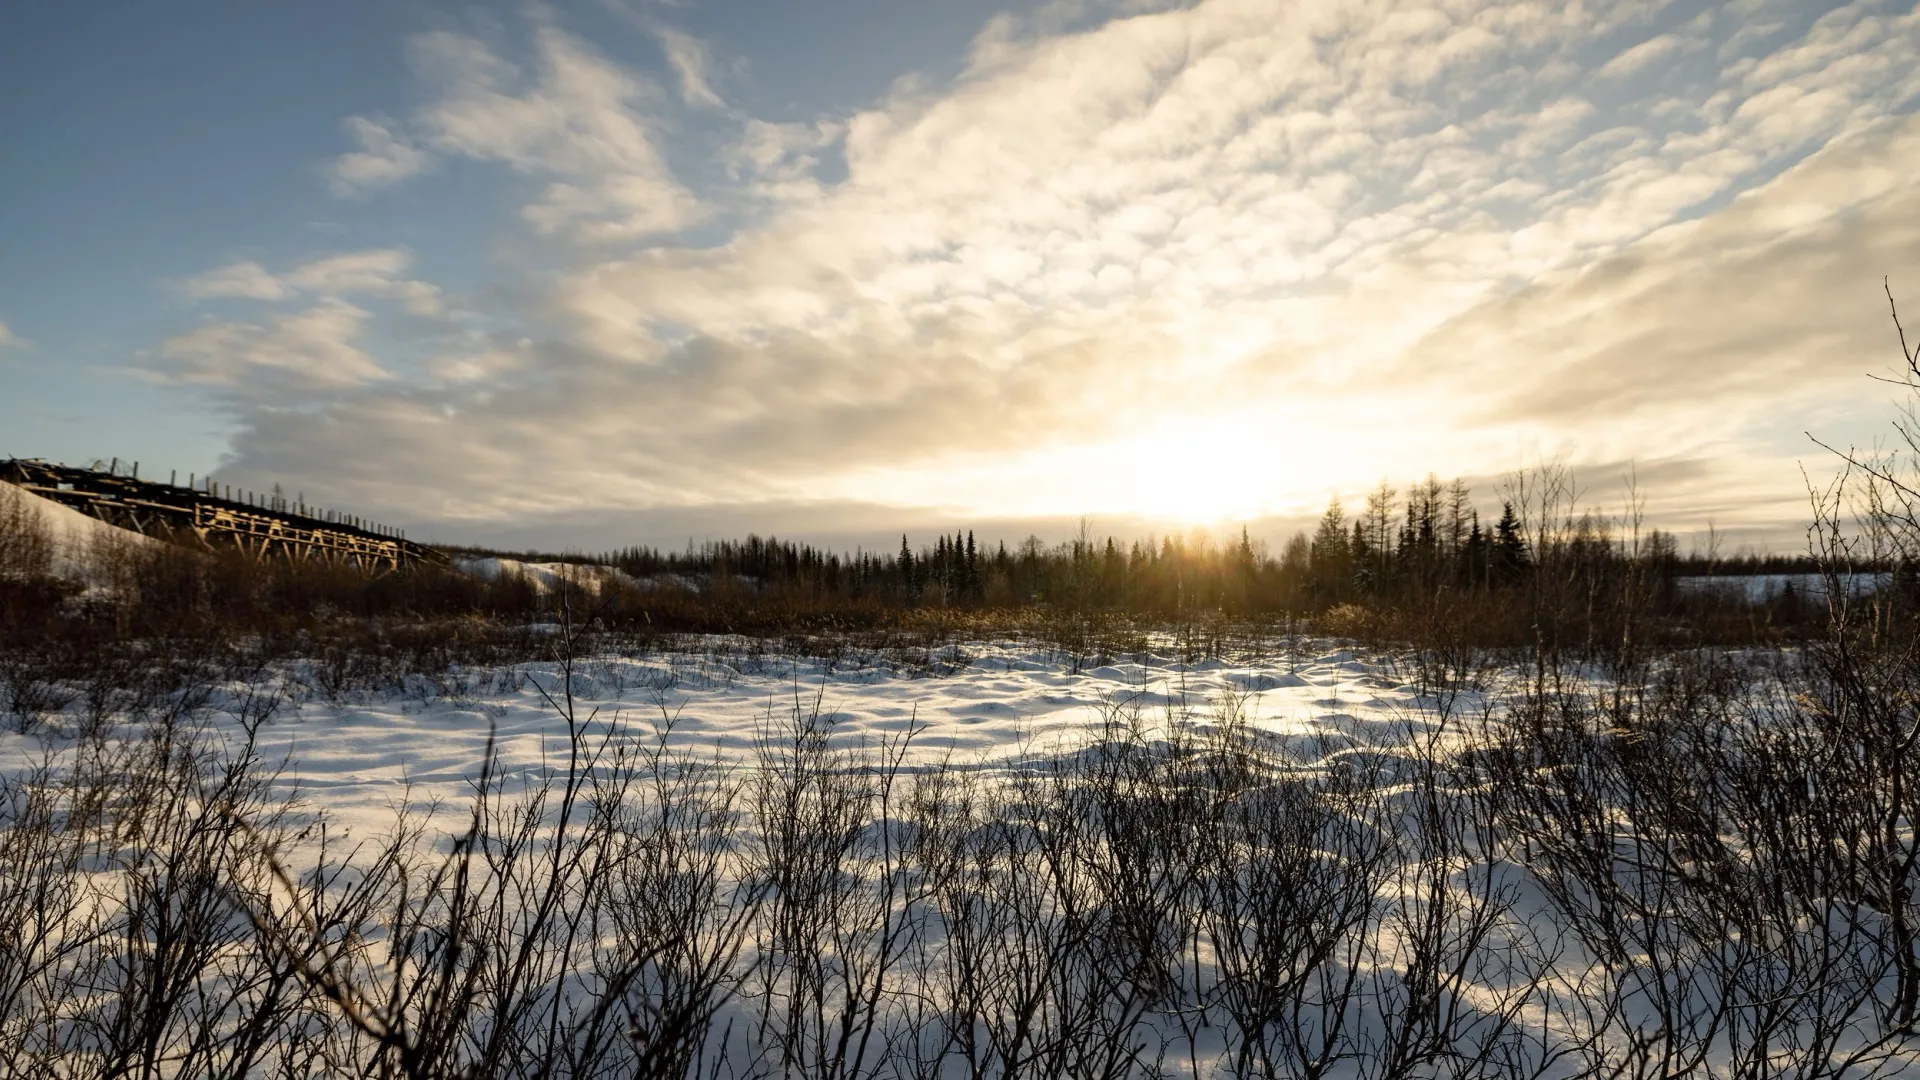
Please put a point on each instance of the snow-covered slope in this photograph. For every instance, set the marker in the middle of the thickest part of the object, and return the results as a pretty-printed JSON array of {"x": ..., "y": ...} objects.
[
  {"x": 544, "y": 576},
  {"x": 79, "y": 543}
]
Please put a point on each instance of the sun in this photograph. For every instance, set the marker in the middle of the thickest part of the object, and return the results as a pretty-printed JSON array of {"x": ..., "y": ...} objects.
[{"x": 1193, "y": 471}]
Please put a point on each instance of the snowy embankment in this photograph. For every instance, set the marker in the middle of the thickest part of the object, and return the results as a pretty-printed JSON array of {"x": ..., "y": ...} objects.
[
  {"x": 78, "y": 547},
  {"x": 543, "y": 576},
  {"x": 589, "y": 577}
]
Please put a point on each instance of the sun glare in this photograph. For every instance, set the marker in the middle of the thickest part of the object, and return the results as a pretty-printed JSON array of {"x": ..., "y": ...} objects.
[
  {"x": 1196, "y": 473},
  {"x": 1200, "y": 471}
]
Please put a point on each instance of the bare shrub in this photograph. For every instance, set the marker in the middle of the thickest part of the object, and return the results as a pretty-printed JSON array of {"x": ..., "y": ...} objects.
[
  {"x": 26, "y": 546},
  {"x": 842, "y": 906}
]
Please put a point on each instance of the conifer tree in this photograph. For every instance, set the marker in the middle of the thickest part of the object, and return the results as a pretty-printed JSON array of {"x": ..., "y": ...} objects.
[
  {"x": 1474, "y": 554},
  {"x": 1379, "y": 519},
  {"x": 1459, "y": 509},
  {"x": 1362, "y": 554},
  {"x": 1509, "y": 547}
]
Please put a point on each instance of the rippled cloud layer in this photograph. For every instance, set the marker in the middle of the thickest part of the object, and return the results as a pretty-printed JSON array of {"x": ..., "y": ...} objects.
[{"x": 1217, "y": 261}]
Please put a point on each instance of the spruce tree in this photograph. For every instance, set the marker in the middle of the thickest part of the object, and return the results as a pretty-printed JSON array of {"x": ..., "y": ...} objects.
[
  {"x": 1330, "y": 556},
  {"x": 1362, "y": 553},
  {"x": 1509, "y": 547},
  {"x": 1330, "y": 540},
  {"x": 1474, "y": 554}
]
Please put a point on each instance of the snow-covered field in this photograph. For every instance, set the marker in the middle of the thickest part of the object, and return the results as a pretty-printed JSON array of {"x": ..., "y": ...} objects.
[
  {"x": 1335, "y": 911},
  {"x": 354, "y": 757},
  {"x": 994, "y": 704}
]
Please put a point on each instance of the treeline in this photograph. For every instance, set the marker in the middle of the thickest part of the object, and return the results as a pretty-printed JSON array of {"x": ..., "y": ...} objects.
[
  {"x": 1534, "y": 558},
  {"x": 1392, "y": 549}
]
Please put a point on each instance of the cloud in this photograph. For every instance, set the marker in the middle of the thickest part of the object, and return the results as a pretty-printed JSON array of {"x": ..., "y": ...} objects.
[
  {"x": 576, "y": 120},
  {"x": 1634, "y": 60},
  {"x": 306, "y": 350},
  {"x": 1707, "y": 324},
  {"x": 236, "y": 281},
  {"x": 378, "y": 272},
  {"x": 1274, "y": 246},
  {"x": 691, "y": 63},
  {"x": 356, "y": 271},
  {"x": 383, "y": 158},
  {"x": 320, "y": 347},
  {"x": 1548, "y": 128},
  {"x": 780, "y": 162},
  {"x": 11, "y": 343}
]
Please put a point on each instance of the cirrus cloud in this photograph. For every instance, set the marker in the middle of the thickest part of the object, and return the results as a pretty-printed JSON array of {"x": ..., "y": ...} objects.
[
  {"x": 383, "y": 158},
  {"x": 576, "y": 121}
]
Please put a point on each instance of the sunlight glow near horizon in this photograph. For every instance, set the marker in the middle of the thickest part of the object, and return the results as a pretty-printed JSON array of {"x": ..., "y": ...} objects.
[{"x": 1252, "y": 463}]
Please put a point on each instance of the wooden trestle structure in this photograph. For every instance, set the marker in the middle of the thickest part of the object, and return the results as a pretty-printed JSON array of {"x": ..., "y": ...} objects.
[{"x": 262, "y": 527}]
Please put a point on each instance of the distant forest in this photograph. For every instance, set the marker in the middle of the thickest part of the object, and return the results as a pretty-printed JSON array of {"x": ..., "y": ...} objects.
[
  {"x": 1420, "y": 565},
  {"x": 1432, "y": 538}
]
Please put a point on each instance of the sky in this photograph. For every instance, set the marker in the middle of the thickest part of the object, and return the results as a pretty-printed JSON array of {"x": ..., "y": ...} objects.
[{"x": 582, "y": 275}]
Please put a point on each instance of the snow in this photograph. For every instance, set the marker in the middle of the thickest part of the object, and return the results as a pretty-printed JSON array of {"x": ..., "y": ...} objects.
[
  {"x": 78, "y": 539},
  {"x": 1762, "y": 588},
  {"x": 543, "y": 576},
  {"x": 984, "y": 706},
  {"x": 355, "y": 758}
]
